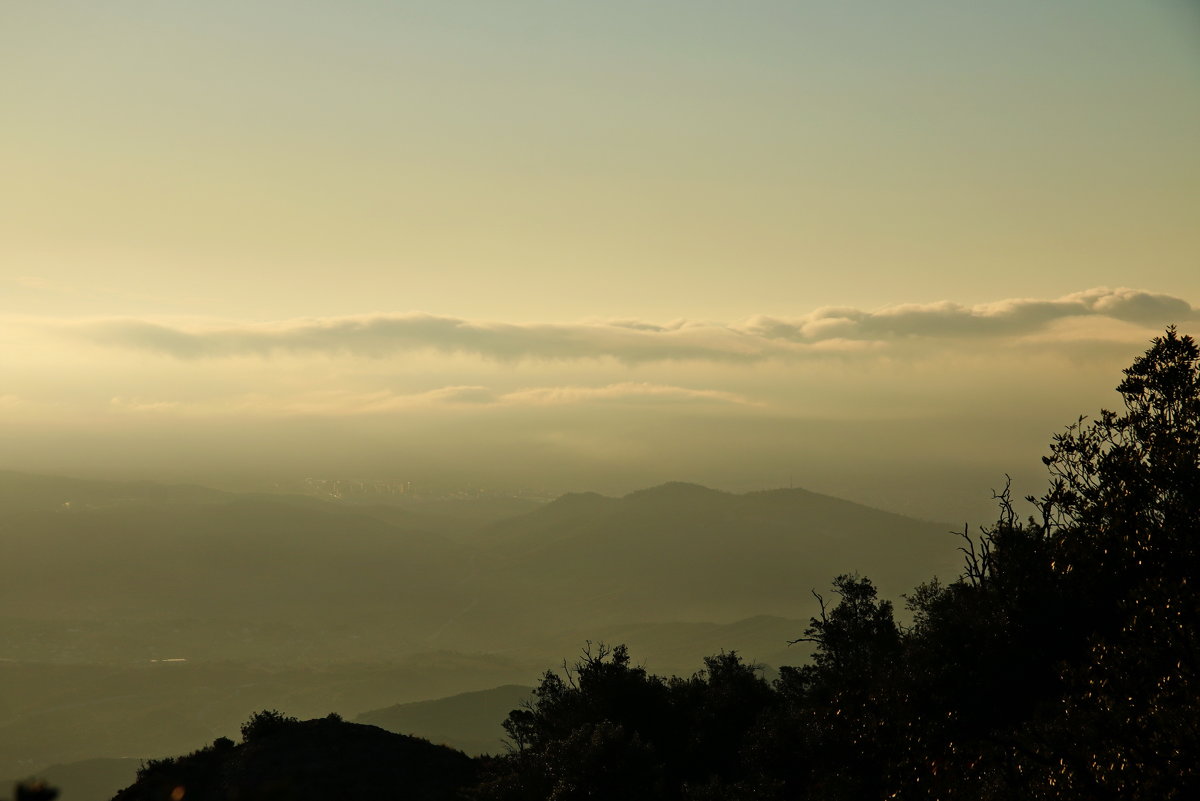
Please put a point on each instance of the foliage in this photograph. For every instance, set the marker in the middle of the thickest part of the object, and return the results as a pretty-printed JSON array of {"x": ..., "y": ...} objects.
[
  {"x": 1062, "y": 664},
  {"x": 605, "y": 728},
  {"x": 1127, "y": 531},
  {"x": 308, "y": 760},
  {"x": 34, "y": 790},
  {"x": 265, "y": 723}
]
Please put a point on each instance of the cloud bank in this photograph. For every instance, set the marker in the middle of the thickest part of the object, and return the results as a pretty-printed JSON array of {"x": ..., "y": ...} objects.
[
  {"x": 449, "y": 397},
  {"x": 1013, "y": 317},
  {"x": 823, "y": 331}
]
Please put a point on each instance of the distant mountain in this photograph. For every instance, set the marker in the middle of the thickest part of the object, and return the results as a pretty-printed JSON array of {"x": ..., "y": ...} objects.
[
  {"x": 686, "y": 552},
  {"x": 313, "y": 760},
  {"x": 469, "y": 722},
  {"x": 555, "y": 518},
  {"x": 677, "y": 552},
  {"x": 311, "y": 605},
  {"x": 105, "y": 551}
]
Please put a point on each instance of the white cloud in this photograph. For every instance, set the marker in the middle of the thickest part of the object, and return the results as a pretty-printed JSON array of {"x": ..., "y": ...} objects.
[{"x": 1013, "y": 317}]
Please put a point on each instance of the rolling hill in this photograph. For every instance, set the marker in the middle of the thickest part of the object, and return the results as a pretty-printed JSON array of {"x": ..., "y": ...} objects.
[
  {"x": 469, "y": 722},
  {"x": 685, "y": 552},
  {"x": 313, "y": 606}
]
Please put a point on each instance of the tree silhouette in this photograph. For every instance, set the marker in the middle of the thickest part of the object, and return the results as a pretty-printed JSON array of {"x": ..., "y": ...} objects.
[
  {"x": 606, "y": 728},
  {"x": 1126, "y": 526},
  {"x": 1062, "y": 664},
  {"x": 265, "y": 723}
]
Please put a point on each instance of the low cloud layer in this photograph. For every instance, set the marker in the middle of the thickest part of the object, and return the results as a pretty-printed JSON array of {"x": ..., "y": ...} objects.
[
  {"x": 386, "y": 335},
  {"x": 322, "y": 403},
  {"x": 632, "y": 341},
  {"x": 571, "y": 406},
  {"x": 1013, "y": 317}
]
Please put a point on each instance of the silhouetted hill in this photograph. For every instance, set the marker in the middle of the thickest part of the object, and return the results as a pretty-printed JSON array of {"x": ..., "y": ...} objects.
[
  {"x": 549, "y": 520},
  {"x": 295, "y": 589},
  {"x": 313, "y": 760},
  {"x": 469, "y": 722},
  {"x": 685, "y": 552},
  {"x": 676, "y": 552},
  {"x": 676, "y": 492},
  {"x": 66, "y": 713}
]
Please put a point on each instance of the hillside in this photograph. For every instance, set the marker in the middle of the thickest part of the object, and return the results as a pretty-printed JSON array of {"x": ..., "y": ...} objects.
[
  {"x": 685, "y": 552},
  {"x": 292, "y": 578},
  {"x": 66, "y": 713},
  {"x": 469, "y": 722},
  {"x": 309, "y": 605},
  {"x": 317, "y": 760}
]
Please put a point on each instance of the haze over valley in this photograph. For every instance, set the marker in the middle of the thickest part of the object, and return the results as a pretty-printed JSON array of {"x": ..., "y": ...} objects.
[
  {"x": 376, "y": 358},
  {"x": 161, "y": 613}
]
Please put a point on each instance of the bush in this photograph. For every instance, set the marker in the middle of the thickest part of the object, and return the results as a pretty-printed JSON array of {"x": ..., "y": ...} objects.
[{"x": 265, "y": 723}]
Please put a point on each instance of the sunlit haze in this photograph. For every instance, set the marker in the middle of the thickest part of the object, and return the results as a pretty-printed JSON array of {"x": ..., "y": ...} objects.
[
  {"x": 645, "y": 396},
  {"x": 853, "y": 246}
]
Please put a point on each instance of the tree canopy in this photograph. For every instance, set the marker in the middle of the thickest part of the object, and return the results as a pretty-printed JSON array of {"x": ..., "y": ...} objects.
[{"x": 1061, "y": 664}]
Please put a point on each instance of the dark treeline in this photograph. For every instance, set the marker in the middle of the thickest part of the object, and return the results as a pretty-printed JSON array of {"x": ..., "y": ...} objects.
[{"x": 1060, "y": 665}]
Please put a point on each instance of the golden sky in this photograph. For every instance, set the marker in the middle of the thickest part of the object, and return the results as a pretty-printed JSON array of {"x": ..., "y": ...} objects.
[{"x": 580, "y": 222}]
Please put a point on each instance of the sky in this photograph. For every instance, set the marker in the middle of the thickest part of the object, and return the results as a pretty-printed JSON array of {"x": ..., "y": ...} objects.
[{"x": 879, "y": 249}]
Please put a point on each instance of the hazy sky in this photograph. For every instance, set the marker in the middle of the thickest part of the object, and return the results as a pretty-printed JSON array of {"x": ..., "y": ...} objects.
[{"x": 706, "y": 238}]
